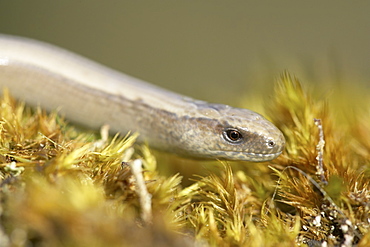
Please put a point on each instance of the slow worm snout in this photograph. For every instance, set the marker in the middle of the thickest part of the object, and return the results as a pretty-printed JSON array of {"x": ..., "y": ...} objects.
[{"x": 91, "y": 94}]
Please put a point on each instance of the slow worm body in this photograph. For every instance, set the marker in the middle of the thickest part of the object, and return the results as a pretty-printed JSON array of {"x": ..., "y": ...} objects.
[{"x": 91, "y": 94}]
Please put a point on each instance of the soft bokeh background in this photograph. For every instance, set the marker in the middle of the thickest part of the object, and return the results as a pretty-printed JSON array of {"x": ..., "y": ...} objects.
[{"x": 209, "y": 49}]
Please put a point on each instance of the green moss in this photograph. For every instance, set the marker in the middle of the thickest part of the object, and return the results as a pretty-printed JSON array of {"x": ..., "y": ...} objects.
[{"x": 61, "y": 186}]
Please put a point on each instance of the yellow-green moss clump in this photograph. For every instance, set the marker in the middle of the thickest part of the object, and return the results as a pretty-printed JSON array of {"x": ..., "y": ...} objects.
[{"x": 64, "y": 187}]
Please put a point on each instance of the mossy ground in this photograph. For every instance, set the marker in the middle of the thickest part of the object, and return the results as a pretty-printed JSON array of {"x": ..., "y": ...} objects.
[{"x": 60, "y": 186}]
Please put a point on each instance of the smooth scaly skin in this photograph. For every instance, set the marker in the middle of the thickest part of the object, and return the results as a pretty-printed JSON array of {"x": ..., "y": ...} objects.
[{"x": 92, "y": 95}]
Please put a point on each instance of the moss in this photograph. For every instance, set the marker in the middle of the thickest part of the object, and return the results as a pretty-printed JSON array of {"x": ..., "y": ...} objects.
[{"x": 62, "y": 186}]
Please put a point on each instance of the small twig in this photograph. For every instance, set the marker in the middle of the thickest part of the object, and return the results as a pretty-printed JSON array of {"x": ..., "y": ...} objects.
[
  {"x": 50, "y": 140},
  {"x": 320, "y": 152},
  {"x": 144, "y": 196}
]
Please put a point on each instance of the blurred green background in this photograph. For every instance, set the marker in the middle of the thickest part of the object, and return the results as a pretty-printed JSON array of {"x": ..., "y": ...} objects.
[{"x": 212, "y": 50}]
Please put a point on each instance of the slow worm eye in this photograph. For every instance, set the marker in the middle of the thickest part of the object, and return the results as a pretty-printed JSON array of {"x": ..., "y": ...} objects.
[
  {"x": 271, "y": 144},
  {"x": 233, "y": 135}
]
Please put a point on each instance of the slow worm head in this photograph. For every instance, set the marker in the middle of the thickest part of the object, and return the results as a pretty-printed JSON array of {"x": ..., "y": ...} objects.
[
  {"x": 91, "y": 94},
  {"x": 241, "y": 134}
]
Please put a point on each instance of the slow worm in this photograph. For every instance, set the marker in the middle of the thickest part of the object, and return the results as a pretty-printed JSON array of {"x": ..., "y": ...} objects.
[{"x": 91, "y": 94}]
